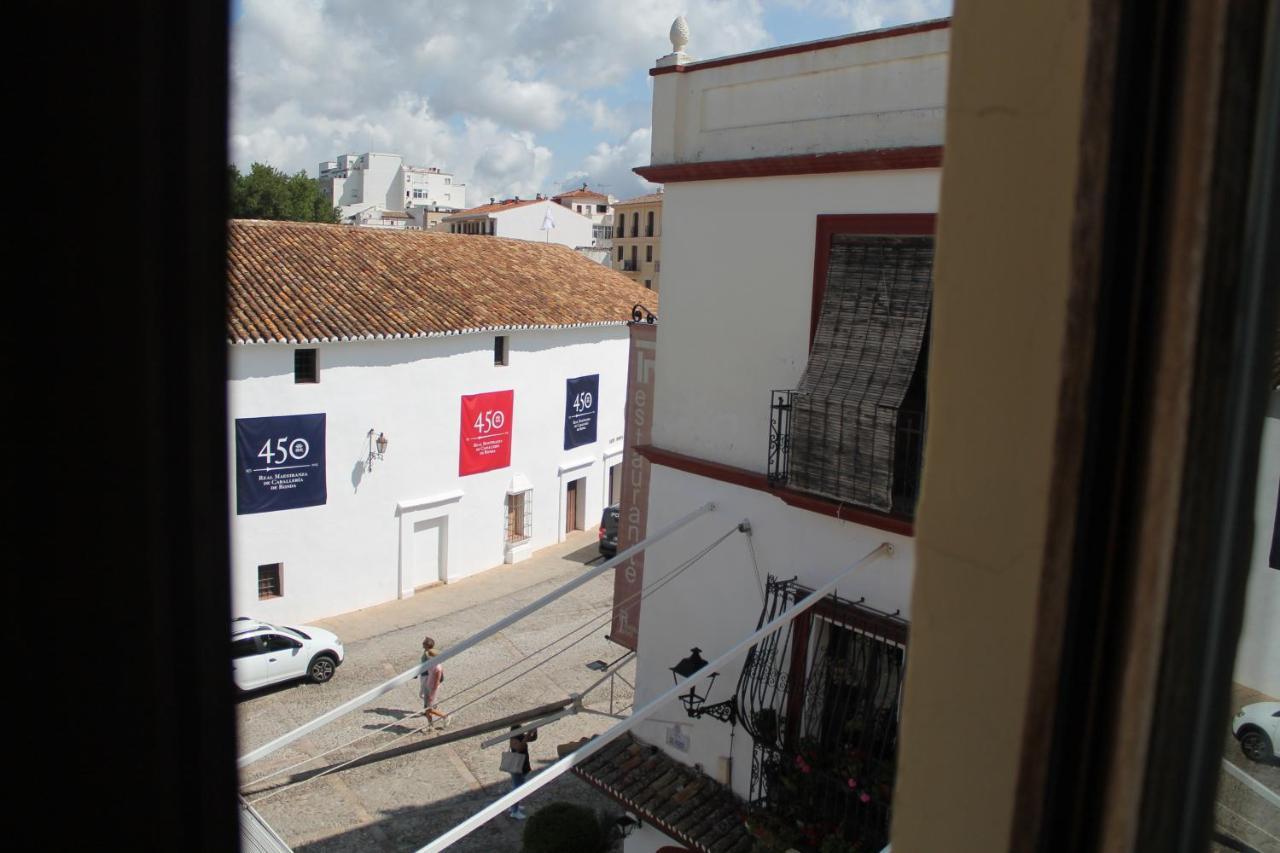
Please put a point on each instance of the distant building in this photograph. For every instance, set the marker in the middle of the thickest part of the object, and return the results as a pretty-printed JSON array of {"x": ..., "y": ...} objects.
[
  {"x": 408, "y": 408},
  {"x": 365, "y": 186},
  {"x": 597, "y": 207},
  {"x": 524, "y": 219},
  {"x": 637, "y": 239}
]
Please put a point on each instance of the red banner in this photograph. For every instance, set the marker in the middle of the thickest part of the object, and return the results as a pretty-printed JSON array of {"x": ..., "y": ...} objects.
[
  {"x": 633, "y": 510},
  {"x": 486, "y": 432}
]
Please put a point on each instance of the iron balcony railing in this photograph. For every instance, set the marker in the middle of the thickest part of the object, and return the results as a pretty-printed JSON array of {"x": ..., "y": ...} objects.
[
  {"x": 630, "y": 266},
  {"x": 813, "y": 462},
  {"x": 821, "y": 700}
]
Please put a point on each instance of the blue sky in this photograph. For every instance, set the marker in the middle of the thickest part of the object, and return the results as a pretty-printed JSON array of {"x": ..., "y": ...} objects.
[{"x": 513, "y": 96}]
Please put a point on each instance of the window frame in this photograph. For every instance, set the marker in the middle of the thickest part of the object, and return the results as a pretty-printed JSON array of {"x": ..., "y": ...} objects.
[
  {"x": 501, "y": 350},
  {"x": 298, "y": 377},
  {"x": 279, "y": 581},
  {"x": 829, "y": 225}
]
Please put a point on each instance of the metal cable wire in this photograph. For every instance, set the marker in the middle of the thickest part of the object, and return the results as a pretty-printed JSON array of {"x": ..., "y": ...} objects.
[{"x": 590, "y": 624}]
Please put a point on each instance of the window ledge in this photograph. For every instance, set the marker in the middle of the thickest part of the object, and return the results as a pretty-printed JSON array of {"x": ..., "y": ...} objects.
[{"x": 792, "y": 497}]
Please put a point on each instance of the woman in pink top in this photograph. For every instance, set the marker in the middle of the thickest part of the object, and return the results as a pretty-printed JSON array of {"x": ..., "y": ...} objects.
[{"x": 429, "y": 684}]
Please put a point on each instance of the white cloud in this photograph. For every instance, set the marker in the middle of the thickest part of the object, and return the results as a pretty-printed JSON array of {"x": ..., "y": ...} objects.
[
  {"x": 475, "y": 87},
  {"x": 609, "y": 167},
  {"x": 874, "y": 14}
]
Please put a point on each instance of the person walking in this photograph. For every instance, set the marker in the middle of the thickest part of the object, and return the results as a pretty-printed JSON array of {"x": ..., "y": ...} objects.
[
  {"x": 519, "y": 744},
  {"x": 429, "y": 683}
]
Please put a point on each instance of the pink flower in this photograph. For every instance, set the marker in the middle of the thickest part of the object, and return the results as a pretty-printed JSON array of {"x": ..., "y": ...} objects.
[
  {"x": 853, "y": 783},
  {"x": 865, "y": 797}
]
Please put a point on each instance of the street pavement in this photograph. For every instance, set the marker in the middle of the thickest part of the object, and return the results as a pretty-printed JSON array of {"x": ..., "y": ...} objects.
[
  {"x": 1239, "y": 811},
  {"x": 403, "y": 802}
]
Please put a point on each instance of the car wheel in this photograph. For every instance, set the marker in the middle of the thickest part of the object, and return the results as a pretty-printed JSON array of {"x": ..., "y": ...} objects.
[
  {"x": 321, "y": 669},
  {"x": 1255, "y": 745}
]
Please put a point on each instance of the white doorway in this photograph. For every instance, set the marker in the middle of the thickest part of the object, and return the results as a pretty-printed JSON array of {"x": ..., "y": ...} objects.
[{"x": 429, "y": 537}]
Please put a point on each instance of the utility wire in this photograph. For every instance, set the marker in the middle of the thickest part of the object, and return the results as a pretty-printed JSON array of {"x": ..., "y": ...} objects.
[{"x": 590, "y": 625}]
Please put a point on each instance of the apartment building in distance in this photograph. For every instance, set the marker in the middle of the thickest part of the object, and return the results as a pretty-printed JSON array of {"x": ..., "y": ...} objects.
[
  {"x": 598, "y": 207},
  {"x": 637, "y": 239},
  {"x": 380, "y": 190}
]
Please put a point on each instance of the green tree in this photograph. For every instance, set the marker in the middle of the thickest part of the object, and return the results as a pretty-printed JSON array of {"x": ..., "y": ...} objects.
[{"x": 268, "y": 193}]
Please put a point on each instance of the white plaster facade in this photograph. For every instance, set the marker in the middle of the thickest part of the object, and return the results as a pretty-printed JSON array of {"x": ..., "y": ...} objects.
[
  {"x": 524, "y": 222},
  {"x": 354, "y": 182},
  {"x": 412, "y": 520},
  {"x": 735, "y": 325},
  {"x": 1258, "y": 657}
]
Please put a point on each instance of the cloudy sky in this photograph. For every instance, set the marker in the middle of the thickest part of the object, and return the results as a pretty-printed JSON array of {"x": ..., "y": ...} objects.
[{"x": 513, "y": 96}]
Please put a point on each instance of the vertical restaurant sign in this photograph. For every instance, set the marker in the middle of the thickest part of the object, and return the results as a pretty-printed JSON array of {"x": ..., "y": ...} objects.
[
  {"x": 581, "y": 400},
  {"x": 633, "y": 510},
  {"x": 486, "y": 432},
  {"x": 280, "y": 463}
]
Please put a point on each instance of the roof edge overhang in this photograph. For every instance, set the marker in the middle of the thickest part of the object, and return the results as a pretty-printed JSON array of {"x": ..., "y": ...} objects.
[{"x": 407, "y": 336}]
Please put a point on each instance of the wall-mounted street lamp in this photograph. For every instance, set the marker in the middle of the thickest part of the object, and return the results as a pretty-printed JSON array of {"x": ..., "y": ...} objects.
[
  {"x": 638, "y": 315},
  {"x": 694, "y": 705},
  {"x": 377, "y": 447}
]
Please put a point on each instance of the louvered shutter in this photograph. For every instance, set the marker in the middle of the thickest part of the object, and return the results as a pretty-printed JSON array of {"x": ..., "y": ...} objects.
[{"x": 871, "y": 328}]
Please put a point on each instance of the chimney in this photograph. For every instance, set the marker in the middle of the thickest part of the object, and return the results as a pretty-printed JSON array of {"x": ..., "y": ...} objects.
[
  {"x": 517, "y": 198},
  {"x": 492, "y": 199}
]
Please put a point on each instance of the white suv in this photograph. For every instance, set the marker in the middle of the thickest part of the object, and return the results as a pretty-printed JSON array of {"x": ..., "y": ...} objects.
[
  {"x": 262, "y": 653},
  {"x": 1257, "y": 727}
]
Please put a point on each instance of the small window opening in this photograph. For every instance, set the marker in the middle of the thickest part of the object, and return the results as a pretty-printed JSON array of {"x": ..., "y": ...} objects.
[
  {"x": 305, "y": 369},
  {"x": 270, "y": 581}
]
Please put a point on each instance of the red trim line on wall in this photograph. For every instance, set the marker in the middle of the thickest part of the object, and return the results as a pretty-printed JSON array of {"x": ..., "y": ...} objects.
[
  {"x": 872, "y": 160},
  {"x": 804, "y": 47},
  {"x": 759, "y": 482},
  {"x": 857, "y": 223}
]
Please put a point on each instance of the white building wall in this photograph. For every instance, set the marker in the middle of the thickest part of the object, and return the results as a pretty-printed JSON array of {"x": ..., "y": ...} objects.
[
  {"x": 525, "y": 223},
  {"x": 1258, "y": 658},
  {"x": 737, "y": 285},
  {"x": 717, "y": 601},
  {"x": 736, "y": 308},
  {"x": 885, "y": 93},
  {"x": 356, "y": 550}
]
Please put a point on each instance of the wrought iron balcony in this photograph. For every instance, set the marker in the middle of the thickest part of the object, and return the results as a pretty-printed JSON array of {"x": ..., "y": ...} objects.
[
  {"x": 812, "y": 449},
  {"x": 821, "y": 701},
  {"x": 630, "y": 266}
]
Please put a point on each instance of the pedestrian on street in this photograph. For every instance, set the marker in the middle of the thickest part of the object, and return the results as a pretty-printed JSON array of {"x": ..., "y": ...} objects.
[
  {"x": 519, "y": 744},
  {"x": 429, "y": 684}
]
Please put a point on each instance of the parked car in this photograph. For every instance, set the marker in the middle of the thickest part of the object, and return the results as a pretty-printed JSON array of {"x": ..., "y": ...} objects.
[
  {"x": 1257, "y": 727},
  {"x": 262, "y": 653},
  {"x": 609, "y": 531}
]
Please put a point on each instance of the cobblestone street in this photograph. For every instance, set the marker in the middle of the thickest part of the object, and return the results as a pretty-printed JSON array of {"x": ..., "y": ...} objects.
[{"x": 403, "y": 802}]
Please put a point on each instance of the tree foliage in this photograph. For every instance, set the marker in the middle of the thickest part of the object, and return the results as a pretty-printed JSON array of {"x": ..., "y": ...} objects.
[
  {"x": 560, "y": 827},
  {"x": 268, "y": 193}
]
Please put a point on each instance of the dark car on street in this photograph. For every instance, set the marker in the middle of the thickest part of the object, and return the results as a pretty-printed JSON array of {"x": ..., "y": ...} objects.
[{"x": 609, "y": 531}]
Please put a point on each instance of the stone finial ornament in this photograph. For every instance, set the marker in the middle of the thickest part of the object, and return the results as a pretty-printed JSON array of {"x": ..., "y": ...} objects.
[{"x": 679, "y": 34}]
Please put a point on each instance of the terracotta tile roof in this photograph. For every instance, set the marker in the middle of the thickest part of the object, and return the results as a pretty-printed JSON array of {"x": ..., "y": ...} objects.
[
  {"x": 640, "y": 199},
  {"x": 687, "y": 805},
  {"x": 582, "y": 193},
  {"x": 299, "y": 281},
  {"x": 505, "y": 204}
]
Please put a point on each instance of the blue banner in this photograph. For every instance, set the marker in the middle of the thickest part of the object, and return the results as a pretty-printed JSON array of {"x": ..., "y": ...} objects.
[
  {"x": 581, "y": 400},
  {"x": 280, "y": 463}
]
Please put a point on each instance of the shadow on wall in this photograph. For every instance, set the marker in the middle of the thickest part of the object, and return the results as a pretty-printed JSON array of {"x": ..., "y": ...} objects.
[
  {"x": 357, "y": 475},
  {"x": 260, "y": 361}
]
